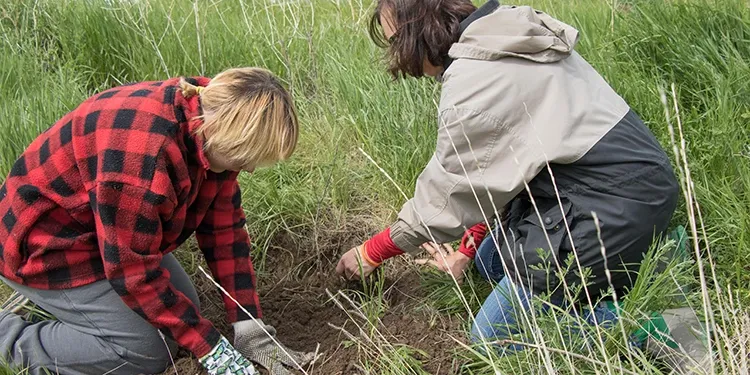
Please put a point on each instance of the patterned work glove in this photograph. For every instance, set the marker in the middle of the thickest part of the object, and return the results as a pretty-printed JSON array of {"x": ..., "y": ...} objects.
[
  {"x": 223, "y": 359},
  {"x": 251, "y": 339}
]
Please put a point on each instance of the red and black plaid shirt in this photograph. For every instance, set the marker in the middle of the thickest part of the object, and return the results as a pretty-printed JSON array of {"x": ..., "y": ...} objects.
[{"x": 112, "y": 187}]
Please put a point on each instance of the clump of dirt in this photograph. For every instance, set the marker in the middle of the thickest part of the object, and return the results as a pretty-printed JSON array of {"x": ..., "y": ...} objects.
[
  {"x": 306, "y": 324},
  {"x": 308, "y": 318},
  {"x": 295, "y": 294}
]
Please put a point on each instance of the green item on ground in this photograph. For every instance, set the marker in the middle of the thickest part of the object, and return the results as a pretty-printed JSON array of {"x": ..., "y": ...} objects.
[
  {"x": 224, "y": 359},
  {"x": 686, "y": 349},
  {"x": 675, "y": 336},
  {"x": 655, "y": 328}
]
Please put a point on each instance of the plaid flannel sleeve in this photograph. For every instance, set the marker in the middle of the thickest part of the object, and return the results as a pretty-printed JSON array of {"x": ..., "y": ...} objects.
[
  {"x": 129, "y": 231},
  {"x": 226, "y": 245}
]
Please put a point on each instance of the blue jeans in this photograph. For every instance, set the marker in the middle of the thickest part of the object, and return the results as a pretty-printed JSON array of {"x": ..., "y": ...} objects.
[{"x": 500, "y": 312}]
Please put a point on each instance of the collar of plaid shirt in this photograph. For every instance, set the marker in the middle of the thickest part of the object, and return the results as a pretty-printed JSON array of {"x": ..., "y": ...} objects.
[{"x": 194, "y": 111}]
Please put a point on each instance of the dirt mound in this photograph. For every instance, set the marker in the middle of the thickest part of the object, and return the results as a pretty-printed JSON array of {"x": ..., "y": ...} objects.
[
  {"x": 306, "y": 324},
  {"x": 306, "y": 320},
  {"x": 296, "y": 291}
]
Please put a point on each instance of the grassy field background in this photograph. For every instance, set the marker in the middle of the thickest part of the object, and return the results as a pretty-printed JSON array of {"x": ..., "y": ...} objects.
[{"x": 305, "y": 212}]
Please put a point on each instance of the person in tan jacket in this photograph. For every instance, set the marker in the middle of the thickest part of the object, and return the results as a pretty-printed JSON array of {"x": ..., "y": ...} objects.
[{"x": 534, "y": 147}]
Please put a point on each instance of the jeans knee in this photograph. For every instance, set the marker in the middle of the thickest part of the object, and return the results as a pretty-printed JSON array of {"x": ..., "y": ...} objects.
[
  {"x": 486, "y": 336},
  {"x": 486, "y": 331},
  {"x": 478, "y": 334},
  {"x": 486, "y": 339},
  {"x": 153, "y": 363},
  {"x": 150, "y": 355}
]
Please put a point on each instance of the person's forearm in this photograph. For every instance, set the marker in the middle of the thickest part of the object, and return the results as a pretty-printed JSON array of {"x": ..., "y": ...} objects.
[{"x": 226, "y": 245}]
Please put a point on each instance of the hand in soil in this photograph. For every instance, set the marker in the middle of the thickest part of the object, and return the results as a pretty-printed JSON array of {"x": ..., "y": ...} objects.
[
  {"x": 351, "y": 264},
  {"x": 446, "y": 259},
  {"x": 258, "y": 342},
  {"x": 224, "y": 359}
]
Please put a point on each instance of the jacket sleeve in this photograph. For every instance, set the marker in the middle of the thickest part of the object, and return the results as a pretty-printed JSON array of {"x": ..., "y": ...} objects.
[
  {"x": 226, "y": 245},
  {"x": 129, "y": 230},
  {"x": 479, "y": 165}
]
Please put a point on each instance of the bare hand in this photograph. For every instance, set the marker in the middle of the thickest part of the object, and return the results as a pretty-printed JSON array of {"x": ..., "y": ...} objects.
[
  {"x": 446, "y": 259},
  {"x": 351, "y": 263}
]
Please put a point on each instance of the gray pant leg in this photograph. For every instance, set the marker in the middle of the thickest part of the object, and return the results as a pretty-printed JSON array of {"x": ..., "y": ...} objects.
[{"x": 95, "y": 332}]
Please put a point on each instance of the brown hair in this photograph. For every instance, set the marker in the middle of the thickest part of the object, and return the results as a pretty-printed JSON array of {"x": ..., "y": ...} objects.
[
  {"x": 424, "y": 29},
  {"x": 249, "y": 117}
]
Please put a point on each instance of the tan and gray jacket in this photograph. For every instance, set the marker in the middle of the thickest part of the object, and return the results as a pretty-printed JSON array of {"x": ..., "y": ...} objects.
[{"x": 516, "y": 97}]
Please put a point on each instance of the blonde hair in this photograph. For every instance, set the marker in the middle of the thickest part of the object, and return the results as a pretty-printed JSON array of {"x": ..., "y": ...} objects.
[{"x": 248, "y": 116}]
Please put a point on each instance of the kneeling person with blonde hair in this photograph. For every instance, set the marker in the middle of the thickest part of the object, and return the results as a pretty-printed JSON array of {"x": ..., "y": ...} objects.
[{"x": 96, "y": 204}]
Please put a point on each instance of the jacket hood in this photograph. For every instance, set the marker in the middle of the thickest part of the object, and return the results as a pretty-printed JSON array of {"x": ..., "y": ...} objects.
[{"x": 520, "y": 32}]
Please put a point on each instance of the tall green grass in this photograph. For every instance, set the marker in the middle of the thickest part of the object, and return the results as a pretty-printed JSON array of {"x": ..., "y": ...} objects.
[{"x": 55, "y": 53}]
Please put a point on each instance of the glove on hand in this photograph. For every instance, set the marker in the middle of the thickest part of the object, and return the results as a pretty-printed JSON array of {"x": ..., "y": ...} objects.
[
  {"x": 251, "y": 339},
  {"x": 223, "y": 359}
]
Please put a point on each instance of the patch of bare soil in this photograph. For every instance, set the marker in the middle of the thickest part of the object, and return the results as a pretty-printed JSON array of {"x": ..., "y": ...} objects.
[{"x": 295, "y": 299}]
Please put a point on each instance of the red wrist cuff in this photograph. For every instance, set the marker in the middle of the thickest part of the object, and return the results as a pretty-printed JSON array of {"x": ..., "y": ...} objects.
[
  {"x": 380, "y": 247},
  {"x": 477, "y": 232}
]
